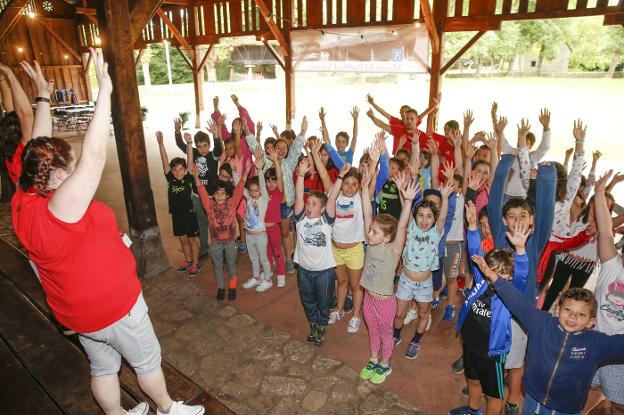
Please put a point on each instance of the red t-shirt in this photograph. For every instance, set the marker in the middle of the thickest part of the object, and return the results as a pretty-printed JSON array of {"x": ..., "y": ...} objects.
[
  {"x": 87, "y": 272},
  {"x": 15, "y": 165},
  {"x": 398, "y": 130},
  {"x": 274, "y": 212}
]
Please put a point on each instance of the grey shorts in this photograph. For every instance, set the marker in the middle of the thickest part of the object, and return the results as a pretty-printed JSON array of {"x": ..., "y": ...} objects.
[
  {"x": 611, "y": 380},
  {"x": 519, "y": 339},
  {"x": 132, "y": 337},
  {"x": 452, "y": 257},
  {"x": 408, "y": 290}
]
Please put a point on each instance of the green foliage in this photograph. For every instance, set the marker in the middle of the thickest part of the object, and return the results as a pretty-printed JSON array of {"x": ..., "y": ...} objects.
[{"x": 180, "y": 71}]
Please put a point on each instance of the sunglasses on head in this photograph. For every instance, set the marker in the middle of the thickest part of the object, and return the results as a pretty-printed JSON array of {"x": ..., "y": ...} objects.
[{"x": 274, "y": 178}]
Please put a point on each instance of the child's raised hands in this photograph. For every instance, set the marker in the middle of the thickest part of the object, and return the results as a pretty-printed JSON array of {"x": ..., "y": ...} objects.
[
  {"x": 258, "y": 159},
  {"x": 370, "y": 99},
  {"x": 272, "y": 154},
  {"x": 601, "y": 183},
  {"x": 258, "y": 127},
  {"x": 159, "y": 137},
  {"x": 247, "y": 169},
  {"x": 367, "y": 177},
  {"x": 448, "y": 189},
  {"x": 355, "y": 112},
  {"x": 501, "y": 124},
  {"x": 410, "y": 190},
  {"x": 221, "y": 120},
  {"x": 274, "y": 129},
  {"x": 490, "y": 141},
  {"x": 433, "y": 147},
  {"x": 345, "y": 169},
  {"x": 471, "y": 215},
  {"x": 596, "y": 155},
  {"x": 449, "y": 170},
  {"x": 322, "y": 114},
  {"x": 244, "y": 126},
  {"x": 579, "y": 130},
  {"x": 520, "y": 235},
  {"x": 188, "y": 138},
  {"x": 177, "y": 124},
  {"x": 374, "y": 153},
  {"x": 304, "y": 126},
  {"x": 523, "y": 128},
  {"x": 456, "y": 136},
  {"x": 494, "y": 110},
  {"x": 544, "y": 118},
  {"x": 304, "y": 167},
  {"x": 485, "y": 269},
  {"x": 475, "y": 180},
  {"x": 468, "y": 118},
  {"x": 236, "y": 127}
]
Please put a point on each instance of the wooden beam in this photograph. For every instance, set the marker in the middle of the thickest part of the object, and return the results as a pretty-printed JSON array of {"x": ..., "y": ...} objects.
[
  {"x": 115, "y": 28},
  {"x": 198, "y": 87},
  {"x": 69, "y": 48},
  {"x": 10, "y": 16},
  {"x": 463, "y": 50},
  {"x": 86, "y": 62},
  {"x": 273, "y": 27},
  {"x": 138, "y": 58},
  {"x": 423, "y": 63},
  {"x": 431, "y": 27},
  {"x": 177, "y": 35},
  {"x": 440, "y": 9},
  {"x": 275, "y": 55},
  {"x": 141, "y": 14},
  {"x": 289, "y": 75},
  {"x": 186, "y": 58},
  {"x": 204, "y": 59}
]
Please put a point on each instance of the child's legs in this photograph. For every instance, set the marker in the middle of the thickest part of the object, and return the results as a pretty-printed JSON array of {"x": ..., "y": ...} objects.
[
  {"x": 452, "y": 258},
  {"x": 424, "y": 310},
  {"x": 370, "y": 316},
  {"x": 231, "y": 254},
  {"x": 194, "y": 245},
  {"x": 358, "y": 294},
  {"x": 354, "y": 261},
  {"x": 474, "y": 393},
  {"x": 285, "y": 231},
  {"x": 202, "y": 222},
  {"x": 561, "y": 275},
  {"x": 493, "y": 406},
  {"x": 324, "y": 289},
  {"x": 216, "y": 253},
  {"x": 386, "y": 310},
  {"x": 580, "y": 275},
  {"x": 305, "y": 282},
  {"x": 515, "y": 361},
  {"x": 241, "y": 227},
  {"x": 402, "y": 306},
  {"x": 254, "y": 255},
  {"x": 275, "y": 249},
  {"x": 261, "y": 243},
  {"x": 436, "y": 277},
  {"x": 186, "y": 248},
  {"x": 342, "y": 277}
]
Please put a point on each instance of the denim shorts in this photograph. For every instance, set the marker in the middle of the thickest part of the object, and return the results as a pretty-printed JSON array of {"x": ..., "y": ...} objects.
[
  {"x": 286, "y": 211},
  {"x": 408, "y": 290},
  {"x": 132, "y": 337}
]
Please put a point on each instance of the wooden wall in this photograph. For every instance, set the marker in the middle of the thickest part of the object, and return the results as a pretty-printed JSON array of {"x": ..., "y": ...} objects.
[{"x": 58, "y": 62}]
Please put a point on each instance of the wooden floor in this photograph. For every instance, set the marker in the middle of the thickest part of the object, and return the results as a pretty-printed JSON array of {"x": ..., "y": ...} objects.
[{"x": 45, "y": 372}]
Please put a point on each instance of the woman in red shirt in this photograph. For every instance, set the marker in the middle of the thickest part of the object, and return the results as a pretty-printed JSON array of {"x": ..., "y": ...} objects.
[{"x": 86, "y": 267}]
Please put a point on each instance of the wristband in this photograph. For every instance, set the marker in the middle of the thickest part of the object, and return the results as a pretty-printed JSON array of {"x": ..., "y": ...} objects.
[
  {"x": 42, "y": 99},
  {"x": 580, "y": 141},
  {"x": 339, "y": 177}
]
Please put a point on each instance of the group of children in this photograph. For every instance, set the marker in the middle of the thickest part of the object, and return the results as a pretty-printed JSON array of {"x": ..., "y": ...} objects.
[{"x": 406, "y": 229}]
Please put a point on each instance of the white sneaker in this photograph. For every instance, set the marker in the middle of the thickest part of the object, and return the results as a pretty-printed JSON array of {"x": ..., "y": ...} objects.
[
  {"x": 281, "y": 281},
  {"x": 335, "y": 315},
  {"x": 178, "y": 408},
  {"x": 428, "y": 323},
  {"x": 140, "y": 409},
  {"x": 251, "y": 282},
  {"x": 410, "y": 316},
  {"x": 263, "y": 286},
  {"x": 354, "y": 325}
]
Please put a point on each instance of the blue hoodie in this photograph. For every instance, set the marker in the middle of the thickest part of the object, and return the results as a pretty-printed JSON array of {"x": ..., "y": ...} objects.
[
  {"x": 500, "y": 325},
  {"x": 544, "y": 215},
  {"x": 559, "y": 365}
]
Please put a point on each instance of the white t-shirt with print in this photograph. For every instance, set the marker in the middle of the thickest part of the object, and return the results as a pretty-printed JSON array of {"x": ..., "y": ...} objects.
[
  {"x": 610, "y": 296},
  {"x": 349, "y": 224},
  {"x": 314, "y": 251}
]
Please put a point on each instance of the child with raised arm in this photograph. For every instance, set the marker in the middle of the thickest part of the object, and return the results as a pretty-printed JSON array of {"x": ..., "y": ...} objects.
[
  {"x": 275, "y": 188},
  {"x": 257, "y": 242},
  {"x": 314, "y": 220},
  {"x": 342, "y": 140},
  {"x": 563, "y": 352},
  {"x": 180, "y": 193},
  {"x": 610, "y": 296},
  {"x": 485, "y": 323},
  {"x": 221, "y": 212},
  {"x": 385, "y": 237},
  {"x": 420, "y": 257}
]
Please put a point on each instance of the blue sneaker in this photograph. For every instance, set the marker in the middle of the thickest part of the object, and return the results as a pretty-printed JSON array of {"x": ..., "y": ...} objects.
[
  {"x": 396, "y": 340},
  {"x": 449, "y": 314},
  {"x": 435, "y": 303},
  {"x": 242, "y": 247},
  {"x": 465, "y": 410},
  {"x": 444, "y": 293},
  {"x": 412, "y": 350}
]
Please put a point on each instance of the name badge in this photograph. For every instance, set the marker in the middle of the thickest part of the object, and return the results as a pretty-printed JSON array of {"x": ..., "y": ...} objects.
[{"x": 126, "y": 240}]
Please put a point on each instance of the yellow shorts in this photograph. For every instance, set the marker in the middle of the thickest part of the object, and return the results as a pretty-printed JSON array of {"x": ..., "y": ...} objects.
[{"x": 352, "y": 258}]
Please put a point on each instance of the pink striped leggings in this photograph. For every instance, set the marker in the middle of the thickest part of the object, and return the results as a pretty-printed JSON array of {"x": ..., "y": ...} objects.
[
  {"x": 379, "y": 315},
  {"x": 275, "y": 248}
]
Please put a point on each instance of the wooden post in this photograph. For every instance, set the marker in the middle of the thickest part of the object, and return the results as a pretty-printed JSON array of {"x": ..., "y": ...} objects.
[
  {"x": 198, "y": 85},
  {"x": 86, "y": 62},
  {"x": 289, "y": 74},
  {"x": 440, "y": 8},
  {"x": 115, "y": 29}
]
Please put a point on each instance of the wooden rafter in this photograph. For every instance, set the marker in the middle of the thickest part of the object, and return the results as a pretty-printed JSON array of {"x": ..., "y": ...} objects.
[
  {"x": 423, "y": 63},
  {"x": 141, "y": 14},
  {"x": 10, "y": 16},
  {"x": 86, "y": 64},
  {"x": 204, "y": 59},
  {"x": 463, "y": 50},
  {"x": 431, "y": 27},
  {"x": 69, "y": 48},
  {"x": 186, "y": 58},
  {"x": 176, "y": 33},
  {"x": 273, "y": 52},
  {"x": 273, "y": 27},
  {"x": 138, "y": 58}
]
